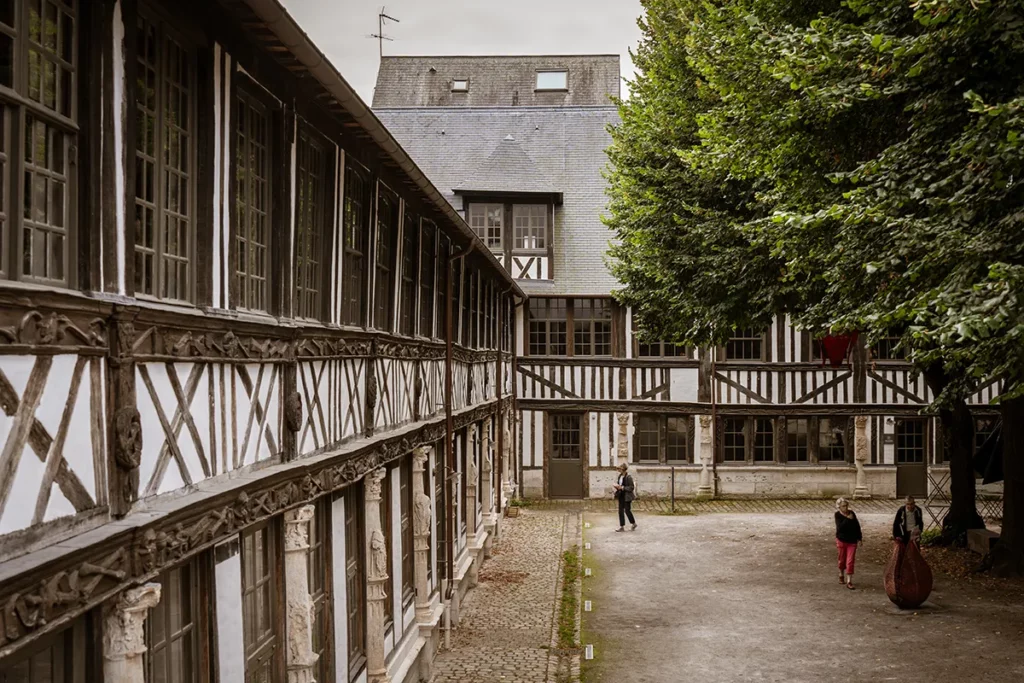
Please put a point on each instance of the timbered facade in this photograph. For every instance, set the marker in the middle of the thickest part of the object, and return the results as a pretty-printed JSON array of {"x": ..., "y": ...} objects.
[
  {"x": 762, "y": 415},
  {"x": 256, "y": 373}
]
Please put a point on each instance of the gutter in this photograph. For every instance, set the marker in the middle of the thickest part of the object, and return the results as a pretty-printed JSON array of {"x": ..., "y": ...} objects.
[{"x": 277, "y": 19}]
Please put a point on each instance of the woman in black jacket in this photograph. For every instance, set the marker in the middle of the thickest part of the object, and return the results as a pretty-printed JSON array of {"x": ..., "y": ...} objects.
[
  {"x": 848, "y": 537},
  {"x": 625, "y": 492}
]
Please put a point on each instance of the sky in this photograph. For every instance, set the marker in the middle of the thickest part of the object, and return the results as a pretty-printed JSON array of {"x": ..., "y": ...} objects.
[{"x": 340, "y": 28}]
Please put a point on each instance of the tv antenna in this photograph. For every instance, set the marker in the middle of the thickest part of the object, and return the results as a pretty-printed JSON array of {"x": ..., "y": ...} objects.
[{"x": 382, "y": 17}]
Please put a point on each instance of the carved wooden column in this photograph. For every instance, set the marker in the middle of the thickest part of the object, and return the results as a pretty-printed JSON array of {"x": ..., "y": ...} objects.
[
  {"x": 860, "y": 456},
  {"x": 125, "y": 435},
  {"x": 421, "y": 533},
  {"x": 622, "y": 449},
  {"x": 706, "y": 454},
  {"x": 376, "y": 580},
  {"x": 124, "y": 641},
  {"x": 301, "y": 657}
]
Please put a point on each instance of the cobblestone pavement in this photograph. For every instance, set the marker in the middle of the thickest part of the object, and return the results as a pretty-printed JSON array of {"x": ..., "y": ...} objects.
[{"x": 507, "y": 620}]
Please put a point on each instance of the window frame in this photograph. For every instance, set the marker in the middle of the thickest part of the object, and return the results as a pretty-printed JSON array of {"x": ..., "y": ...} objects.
[
  {"x": 427, "y": 284},
  {"x": 320, "y": 311},
  {"x": 530, "y": 230},
  {"x": 483, "y": 211},
  {"x": 455, "y": 85},
  {"x": 75, "y": 641},
  {"x": 884, "y": 350},
  {"x": 166, "y": 28},
  {"x": 384, "y": 270},
  {"x": 507, "y": 249},
  {"x": 753, "y": 444},
  {"x": 276, "y": 642},
  {"x": 660, "y": 348},
  {"x": 355, "y": 281},
  {"x": 320, "y": 556},
  {"x": 355, "y": 578},
  {"x": 198, "y": 568},
  {"x": 571, "y": 350},
  {"x": 925, "y": 435},
  {"x": 247, "y": 88},
  {"x": 408, "y": 275},
  {"x": 17, "y": 106},
  {"x": 727, "y": 353},
  {"x": 537, "y": 81},
  {"x": 405, "y": 487},
  {"x": 660, "y": 423}
]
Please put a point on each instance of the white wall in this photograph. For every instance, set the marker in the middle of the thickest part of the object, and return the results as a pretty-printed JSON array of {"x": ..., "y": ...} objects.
[{"x": 228, "y": 591}]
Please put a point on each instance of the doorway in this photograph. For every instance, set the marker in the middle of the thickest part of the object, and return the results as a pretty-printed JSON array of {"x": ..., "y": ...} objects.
[
  {"x": 911, "y": 457},
  {"x": 565, "y": 455}
]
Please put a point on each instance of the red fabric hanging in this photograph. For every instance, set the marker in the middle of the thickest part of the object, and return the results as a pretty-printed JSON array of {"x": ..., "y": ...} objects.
[
  {"x": 836, "y": 347},
  {"x": 908, "y": 578}
]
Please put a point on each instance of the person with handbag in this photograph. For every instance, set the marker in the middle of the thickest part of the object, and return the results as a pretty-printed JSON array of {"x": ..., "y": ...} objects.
[
  {"x": 909, "y": 522},
  {"x": 625, "y": 492},
  {"x": 848, "y": 537}
]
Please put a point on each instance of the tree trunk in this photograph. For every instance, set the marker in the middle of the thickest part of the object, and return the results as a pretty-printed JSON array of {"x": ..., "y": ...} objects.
[
  {"x": 958, "y": 441},
  {"x": 1008, "y": 555}
]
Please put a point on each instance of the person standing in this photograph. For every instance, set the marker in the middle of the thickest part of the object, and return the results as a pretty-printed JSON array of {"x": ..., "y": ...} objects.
[
  {"x": 625, "y": 492},
  {"x": 848, "y": 537},
  {"x": 909, "y": 522}
]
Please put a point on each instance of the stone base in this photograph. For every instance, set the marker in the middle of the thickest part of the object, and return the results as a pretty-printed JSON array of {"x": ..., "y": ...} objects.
[{"x": 981, "y": 541}]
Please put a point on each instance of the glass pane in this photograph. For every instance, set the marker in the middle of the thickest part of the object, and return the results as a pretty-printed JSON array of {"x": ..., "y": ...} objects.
[{"x": 552, "y": 80}]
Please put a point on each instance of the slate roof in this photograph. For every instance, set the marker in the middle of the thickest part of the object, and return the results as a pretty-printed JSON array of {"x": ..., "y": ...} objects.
[
  {"x": 559, "y": 149},
  {"x": 494, "y": 81}
]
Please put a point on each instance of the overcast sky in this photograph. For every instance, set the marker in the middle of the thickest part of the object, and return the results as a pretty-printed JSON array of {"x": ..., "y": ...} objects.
[{"x": 466, "y": 27}]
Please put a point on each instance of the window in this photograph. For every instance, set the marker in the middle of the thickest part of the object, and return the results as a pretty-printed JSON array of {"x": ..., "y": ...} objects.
[
  {"x": 387, "y": 230},
  {"x": 311, "y": 235},
  {"x": 252, "y": 203},
  {"x": 464, "y": 296},
  {"x": 910, "y": 441},
  {"x": 662, "y": 438},
  {"x": 165, "y": 148},
  {"x": 386, "y": 517},
  {"x": 745, "y": 344},
  {"x": 460, "y": 85},
  {"x": 488, "y": 323},
  {"x": 36, "y": 238},
  {"x": 405, "y": 498},
  {"x": 553, "y": 80},
  {"x": 734, "y": 440},
  {"x": 487, "y": 221},
  {"x": 592, "y": 327},
  {"x": 319, "y": 568},
  {"x": 531, "y": 226},
  {"x": 983, "y": 428},
  {"x": 260, "y": 605},
  {"x": 463, "y": 448},
  {"x": 832, "y": 439},
  {"x": 410, "y": 254},
  {"x": 441, "y": 293},
  {"x": 428, "y": 255},
  {"x": 764, "y": 440},
  {"x": 171, "y": 628},
  {"x": 355, "y": 579},
  {"x": 660, "y": 350},
  {"x": 888, "y": 348},
  {"x": 356, "y": 225},
  {"x": 548, "y": 321},
  {"x": 60, "y": 658},
  {"x": 796, "y": 440},
  {"x": 566, "y": 436}
]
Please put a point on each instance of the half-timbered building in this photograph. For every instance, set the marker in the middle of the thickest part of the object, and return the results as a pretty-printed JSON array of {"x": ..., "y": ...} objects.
[
  {"x": 255, "y": 370},
  {"x": 517, "y": 146}
]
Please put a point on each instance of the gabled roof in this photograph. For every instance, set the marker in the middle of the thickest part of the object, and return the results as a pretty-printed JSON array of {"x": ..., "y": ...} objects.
[{"x": 508, "y": 169}]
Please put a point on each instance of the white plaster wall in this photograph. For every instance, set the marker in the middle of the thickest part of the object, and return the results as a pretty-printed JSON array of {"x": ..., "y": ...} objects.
[
  {"x": 230, "y": 645},
  {"x": 533, "y": 483},
  {"x": 683, "y": 383}
]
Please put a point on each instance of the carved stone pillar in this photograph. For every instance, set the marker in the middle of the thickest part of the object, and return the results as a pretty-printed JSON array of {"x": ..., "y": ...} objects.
[
  {"x": 421, "y": 533},
  {"x": 860, "y": 456},
  {"x": 706, "y": 454},
  {"x": 622, "y": 450},
  {"x": 471, "y": 488},
  {"x": 487, "y": 496},
  {"x": 301, "y": 658},
  {"x": 376, "y": 580},
  {"x": 124, "y": 641}
]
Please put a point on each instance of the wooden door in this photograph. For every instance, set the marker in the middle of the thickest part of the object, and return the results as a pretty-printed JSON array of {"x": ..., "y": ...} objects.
[
  {"x": 565, "y": 456},
  {"x": 911, "y": 457}
]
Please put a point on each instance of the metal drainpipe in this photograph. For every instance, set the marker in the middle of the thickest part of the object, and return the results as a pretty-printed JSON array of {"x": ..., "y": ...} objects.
[{"x": 449, "y": 452}]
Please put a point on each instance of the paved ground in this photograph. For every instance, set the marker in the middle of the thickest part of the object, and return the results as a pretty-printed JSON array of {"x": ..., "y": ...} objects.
[
  {"x": 755, "y": 597},
  {"x": 506, "y": 630}
]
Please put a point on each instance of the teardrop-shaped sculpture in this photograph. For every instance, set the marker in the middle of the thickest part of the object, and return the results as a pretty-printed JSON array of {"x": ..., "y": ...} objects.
[{"x": 908, "y": 578}]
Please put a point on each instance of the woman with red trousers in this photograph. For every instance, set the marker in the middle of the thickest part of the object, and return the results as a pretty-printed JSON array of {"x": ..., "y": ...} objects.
[{"x": 848, "y": 537}]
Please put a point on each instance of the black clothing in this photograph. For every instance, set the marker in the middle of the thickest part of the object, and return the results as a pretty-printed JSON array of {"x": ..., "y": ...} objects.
[
  {"x": 900, "y": 528},
  {"x": 628, "y": 489},
  {"x": 848, "y": 528},
  {"x": 625, "y": 510}
]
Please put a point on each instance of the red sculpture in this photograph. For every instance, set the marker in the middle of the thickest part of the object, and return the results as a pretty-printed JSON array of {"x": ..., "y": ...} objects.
[
  {"x": 908, "y": 578},
  {"x": 836, "y": 347}
]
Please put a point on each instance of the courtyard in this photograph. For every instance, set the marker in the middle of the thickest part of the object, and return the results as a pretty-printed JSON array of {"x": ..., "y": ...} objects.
[{"x": 755, "y": 597}]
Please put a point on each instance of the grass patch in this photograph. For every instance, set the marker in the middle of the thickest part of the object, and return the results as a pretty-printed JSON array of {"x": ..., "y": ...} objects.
[
  {"x": 570, "y": 606},
  {"x": 520, "y": 502},
  {"x": 931, "y": 537},
  {"x": 678, "y": 513}
]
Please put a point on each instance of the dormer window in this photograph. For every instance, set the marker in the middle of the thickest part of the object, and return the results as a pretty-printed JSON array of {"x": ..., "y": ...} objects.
[
  {"x": 460, "y": 85},
  {"x": 553, "y": 80}
]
